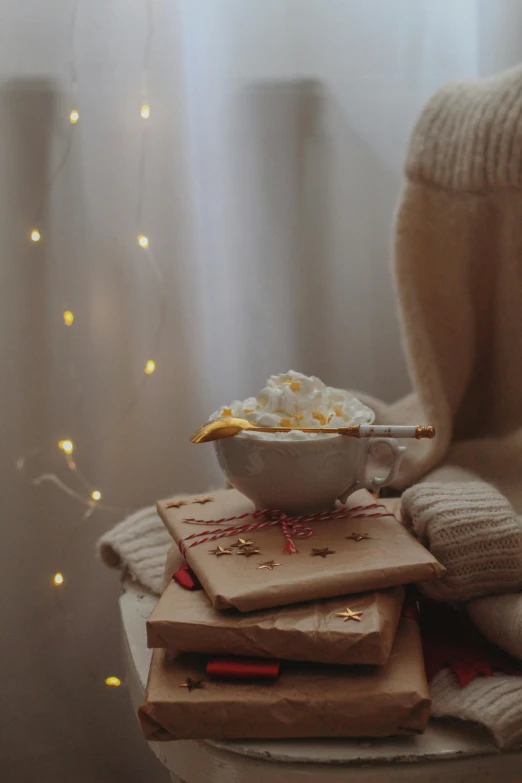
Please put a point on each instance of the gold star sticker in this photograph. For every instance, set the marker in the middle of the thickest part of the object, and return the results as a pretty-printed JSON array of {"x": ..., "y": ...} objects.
[
  {"x": 176, "y": 503},
  {"x": 241, "y": 542},
  {"x": 269, "y": 565},
  {"x": 204, "y": 499},
  {"x": 192, "y": 684},
  {"x": 219, "y": 550},
  {"x": 249, "y": 550},
  {"x": 349, "y": 615},
  {"x": 322, "y": 552},
  {"x": 359, "y": 536}
]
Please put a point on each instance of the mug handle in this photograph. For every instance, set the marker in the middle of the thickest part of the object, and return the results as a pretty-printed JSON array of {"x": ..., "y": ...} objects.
[{"x": 375, "y": 483}]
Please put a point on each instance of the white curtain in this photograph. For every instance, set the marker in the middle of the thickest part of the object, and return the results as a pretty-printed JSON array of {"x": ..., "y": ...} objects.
[{"x": 265, "y": 183}]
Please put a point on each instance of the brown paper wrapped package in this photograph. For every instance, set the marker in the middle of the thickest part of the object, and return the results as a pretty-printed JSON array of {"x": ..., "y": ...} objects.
[
  {"x": 391, "y": 557},
  {"x": 308, "y": 700},
  {"x": 186, "y": 620}
]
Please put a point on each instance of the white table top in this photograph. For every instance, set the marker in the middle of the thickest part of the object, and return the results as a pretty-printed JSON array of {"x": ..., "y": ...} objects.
[{"x": 441, "y": 740}]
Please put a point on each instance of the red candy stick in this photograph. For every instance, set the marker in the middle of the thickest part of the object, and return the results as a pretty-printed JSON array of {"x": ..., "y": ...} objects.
[{"x": 243, "y": 668}]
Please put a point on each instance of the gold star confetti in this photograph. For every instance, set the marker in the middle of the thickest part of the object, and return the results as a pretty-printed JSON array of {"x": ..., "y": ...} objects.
[
  {"x": 322, "y": 552},
  {"x": 359, "y": 536},
  {"x": 176, "y": 503},
  {"x": 204, "y": 499},
  {"x": 219, "y": 550},
  {"x": 249, "y": 550},
  {"x": 241, "y": 542},
  {"x": 269, "y": 565},
  {"x": 192, "y": 684},
  {"x": 349, "y": 615}
]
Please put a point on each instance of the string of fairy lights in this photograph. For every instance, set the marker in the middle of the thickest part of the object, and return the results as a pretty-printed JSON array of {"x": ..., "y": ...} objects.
[{"x": 82, "y": 490}]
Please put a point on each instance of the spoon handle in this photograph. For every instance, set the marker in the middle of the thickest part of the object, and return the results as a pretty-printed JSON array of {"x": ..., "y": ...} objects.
[
  {"x": 388, "y": 431},
  {"x": 363, "y": 430}
]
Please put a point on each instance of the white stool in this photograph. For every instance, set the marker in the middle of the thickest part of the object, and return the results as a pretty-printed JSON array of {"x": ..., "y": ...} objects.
[{"x": 444, "y": 754}]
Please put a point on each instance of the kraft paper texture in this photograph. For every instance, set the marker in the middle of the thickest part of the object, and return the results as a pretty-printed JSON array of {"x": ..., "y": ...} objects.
[
  {"x": 186, "y": 621},
  {"x": 308, "y": 700},
  {"x": 391, "y": 557}
]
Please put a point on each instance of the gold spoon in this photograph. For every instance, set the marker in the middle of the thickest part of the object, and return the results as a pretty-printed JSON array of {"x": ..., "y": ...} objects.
[{"x": 230, "y": 425}]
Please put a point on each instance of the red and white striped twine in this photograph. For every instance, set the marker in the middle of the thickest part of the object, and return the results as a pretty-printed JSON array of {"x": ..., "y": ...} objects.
[{"x": 291, "y": 526}]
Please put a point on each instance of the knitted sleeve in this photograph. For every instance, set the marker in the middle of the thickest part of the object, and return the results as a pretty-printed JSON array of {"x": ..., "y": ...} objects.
[{"x": 457, "y": 273}]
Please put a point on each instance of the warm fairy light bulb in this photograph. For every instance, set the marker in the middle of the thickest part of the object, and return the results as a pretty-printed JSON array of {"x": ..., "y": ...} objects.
[
  {"x": 113, "y": 681},
  {"x": 145, "y": 111},
  {"x": 96, "y": 494},
  {"x": 74, "y": 116},
  {"x": 68, "y": 318},
  {"x": 58, "y": 579},
  {"x": 143, "y": 241},
  {"x": 67, "y": 446},
  {"x": 35, "y": 235},
  {"x": 150, "y": 366}
]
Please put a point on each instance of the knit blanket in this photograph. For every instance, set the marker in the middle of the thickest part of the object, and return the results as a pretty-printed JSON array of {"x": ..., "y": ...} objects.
[{"x": 138, "y": 547}]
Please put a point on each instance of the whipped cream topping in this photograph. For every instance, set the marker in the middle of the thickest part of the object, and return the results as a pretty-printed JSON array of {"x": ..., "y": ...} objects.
[{"x": 296, "y": 400}]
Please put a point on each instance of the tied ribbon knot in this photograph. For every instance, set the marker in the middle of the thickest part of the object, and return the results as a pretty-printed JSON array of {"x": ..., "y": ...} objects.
[{"x": 291, "y": 526}]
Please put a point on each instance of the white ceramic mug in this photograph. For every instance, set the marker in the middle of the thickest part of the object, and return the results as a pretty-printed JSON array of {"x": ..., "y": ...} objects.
[{"x": 305, "y": 476}]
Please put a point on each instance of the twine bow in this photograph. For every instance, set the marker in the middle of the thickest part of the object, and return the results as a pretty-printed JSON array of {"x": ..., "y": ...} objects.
[{"x": 292, "y": 527}]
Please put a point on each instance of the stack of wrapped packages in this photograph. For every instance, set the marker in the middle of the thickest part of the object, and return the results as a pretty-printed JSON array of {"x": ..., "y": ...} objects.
[
  {"x": 250, "y": 642},
  {"x": 277, "y": 625}
]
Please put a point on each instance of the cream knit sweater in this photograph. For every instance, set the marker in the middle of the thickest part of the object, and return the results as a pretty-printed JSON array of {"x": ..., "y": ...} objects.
[
  {"x": 458, "y": 271},
  {"x": 473, "y": 531}
]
